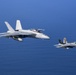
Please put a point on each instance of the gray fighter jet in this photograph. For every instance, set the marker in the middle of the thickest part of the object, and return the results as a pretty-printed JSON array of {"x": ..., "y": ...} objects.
[
  {"x": 65, "y": 44},
  {"x": 19, "y": 33}
]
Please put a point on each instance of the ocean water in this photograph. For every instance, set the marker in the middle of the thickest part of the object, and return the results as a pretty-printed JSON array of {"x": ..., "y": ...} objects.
[{"x": 35, "y": 57}]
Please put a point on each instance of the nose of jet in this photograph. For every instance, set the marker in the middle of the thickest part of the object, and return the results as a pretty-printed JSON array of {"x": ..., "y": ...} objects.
[
  {"x": 42, "y": 36},
  {"x": 46, "y": 37}
]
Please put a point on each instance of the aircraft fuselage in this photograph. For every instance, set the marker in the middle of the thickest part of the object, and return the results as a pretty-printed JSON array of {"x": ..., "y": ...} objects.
[{"x": 29, "y": 33}]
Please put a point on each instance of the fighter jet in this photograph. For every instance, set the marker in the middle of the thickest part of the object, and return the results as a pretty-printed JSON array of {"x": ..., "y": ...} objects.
[
  {"x": 65, "y": 44},
  {"x": 19, "y": 33}
]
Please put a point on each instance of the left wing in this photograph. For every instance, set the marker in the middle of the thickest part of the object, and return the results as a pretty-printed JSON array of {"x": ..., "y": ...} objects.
[
  {"x": 6, "y": 34},
  {"x": 64, "y": 46}
]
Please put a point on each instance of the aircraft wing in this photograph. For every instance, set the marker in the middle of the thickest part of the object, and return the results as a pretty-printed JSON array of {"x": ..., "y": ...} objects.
[
  {"x": 58, "y": 45},
  {"x": 6, "y": 34},
  {"x": 63, "y": 45}
]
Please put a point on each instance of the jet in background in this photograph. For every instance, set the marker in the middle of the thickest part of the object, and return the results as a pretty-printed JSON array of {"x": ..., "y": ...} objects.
[
  {"x": 19, "y": 33},
  {"x": 65, "y": 44}
]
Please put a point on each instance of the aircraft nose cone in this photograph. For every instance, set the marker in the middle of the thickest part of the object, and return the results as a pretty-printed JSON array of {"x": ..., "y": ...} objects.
[
  {"x": 46, "y": 37},
  {"x": 42, "y": 36}
]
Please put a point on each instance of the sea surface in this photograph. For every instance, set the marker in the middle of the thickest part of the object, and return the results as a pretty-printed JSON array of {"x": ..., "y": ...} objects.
[{"x": 35, "y": 57}]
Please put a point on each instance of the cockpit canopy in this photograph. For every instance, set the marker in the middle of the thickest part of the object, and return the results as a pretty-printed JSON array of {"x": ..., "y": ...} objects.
[{"x": 37, "y": 30}]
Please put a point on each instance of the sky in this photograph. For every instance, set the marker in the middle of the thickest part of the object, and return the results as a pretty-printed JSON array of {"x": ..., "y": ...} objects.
[{"x": 35, "y": 56}]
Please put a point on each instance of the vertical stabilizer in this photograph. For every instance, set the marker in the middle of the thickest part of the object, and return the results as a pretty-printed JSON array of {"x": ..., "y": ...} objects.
[
  {"x": 18, "y": 25},
  {"x": 64, "y": 40},
  {"x": 61, "y": 42},
  {"x": 9, "y": 27}
]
